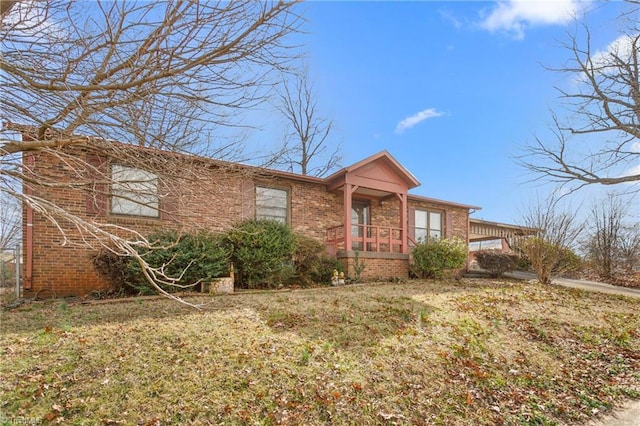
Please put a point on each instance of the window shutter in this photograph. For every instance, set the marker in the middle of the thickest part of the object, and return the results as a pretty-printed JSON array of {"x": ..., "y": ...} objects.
[
  {"x": 448, "y": 224},
  {"x": 97, "y": 192},
  {"x": 248, "y": 199},
  {"x": 169, "y": 204},
  {"x": 412, "y": 222}
]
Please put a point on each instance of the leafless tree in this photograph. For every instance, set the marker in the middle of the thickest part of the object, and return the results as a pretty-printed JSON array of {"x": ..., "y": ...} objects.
[
  {"x": 307, "y": 148},
  {"x": 599, "y": 142},
  {"x": 629, "y": 246},
  {"x": 10, "y": 222},
  {"x": 605, "y": 227},
  {"x": 551, "y": 250},
  {"x": 612, "y": 242},
  {"x": 79, "y": 76},
  {"x": 150, "y": 73}
]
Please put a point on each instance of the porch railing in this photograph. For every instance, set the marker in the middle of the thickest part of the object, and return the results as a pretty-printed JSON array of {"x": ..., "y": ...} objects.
[{"x": 380, "y": 239}]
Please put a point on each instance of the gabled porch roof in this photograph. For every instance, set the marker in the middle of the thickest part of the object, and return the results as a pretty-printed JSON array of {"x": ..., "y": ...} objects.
[{"x": 377, "y": 176}]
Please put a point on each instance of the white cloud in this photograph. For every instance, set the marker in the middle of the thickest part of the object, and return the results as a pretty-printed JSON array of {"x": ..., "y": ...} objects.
[
  {"x": 604, "y": 60},
  {"x": 412, "y": 120},
  {"x": 515, "y": 16},
  {"x": 635, "y": 147},
  {"x": 34, "y": 20},
  {"x": 620, "y": 47}
]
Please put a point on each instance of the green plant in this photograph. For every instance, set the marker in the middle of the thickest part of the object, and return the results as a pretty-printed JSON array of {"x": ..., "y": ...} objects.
[
  {"x": 433, "y": 258},
  {"x": 312, "y": 265},
  {"x": 324, "y": 270},
  {"x": 187, "y": 259},
  {"x": 548, "y": 258},
  {"x": 112, "y": 267},
  {"x": 262, "y": 252},
  {"x": 495, "y": 262},
  {"x": 358, "y": 267}
]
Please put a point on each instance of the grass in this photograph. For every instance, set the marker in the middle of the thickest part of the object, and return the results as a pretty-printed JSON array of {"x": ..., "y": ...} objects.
[{"x": 481, "y": 352}]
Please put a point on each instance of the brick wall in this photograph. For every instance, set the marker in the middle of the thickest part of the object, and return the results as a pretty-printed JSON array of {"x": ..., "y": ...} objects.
[
  {"x": 214, "y": 198},
  {"x": 196, "y": 194},
  {"x": 377, "y": 266},
  {"x": 455, "y": 218}
]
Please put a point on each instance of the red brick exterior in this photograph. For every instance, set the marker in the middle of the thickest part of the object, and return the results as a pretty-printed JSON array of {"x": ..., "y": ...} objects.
[
  {"x": 456, "y": 219},
  {"x": 376, "y": 266},
  {"x": 215, "y": 198}
]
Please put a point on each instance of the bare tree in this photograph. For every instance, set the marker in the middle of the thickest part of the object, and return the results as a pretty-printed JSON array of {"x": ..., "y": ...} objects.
[
  {"x": 612, "y": 243},
  {"x": 551, "y": 250},
  {"x": 10, "y": 222},
  {"x": 605, "y": 227},
  {"x": 150, "y": 73},
  {"x": 79, "y": 76},
  {"x": 600, "y": 141},
  {"x": 629, "y": 246},
  {"x": 307, "y": 148}
]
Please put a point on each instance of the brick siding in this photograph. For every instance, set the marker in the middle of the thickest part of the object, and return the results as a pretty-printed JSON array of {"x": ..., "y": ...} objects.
[{"x": 215, "y": 197}]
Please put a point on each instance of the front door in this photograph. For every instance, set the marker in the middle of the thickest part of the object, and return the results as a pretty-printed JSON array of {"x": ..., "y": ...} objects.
[{"x": 360, "y": 219}]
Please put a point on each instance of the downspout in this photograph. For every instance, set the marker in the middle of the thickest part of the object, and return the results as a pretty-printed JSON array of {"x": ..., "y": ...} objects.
[{"x": 29, "y": 161}]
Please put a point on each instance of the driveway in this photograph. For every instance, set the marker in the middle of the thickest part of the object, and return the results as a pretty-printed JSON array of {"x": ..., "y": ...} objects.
[
  {"x": 581, "y": 284},
  {"x": 629, "y": 414}
]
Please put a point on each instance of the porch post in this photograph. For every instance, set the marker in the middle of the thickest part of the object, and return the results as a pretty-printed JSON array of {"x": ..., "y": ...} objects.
[
  {"x": 349, "y": 189},
  {"x": 403, "y": 222},
  {"x": 347, "y": 216}
]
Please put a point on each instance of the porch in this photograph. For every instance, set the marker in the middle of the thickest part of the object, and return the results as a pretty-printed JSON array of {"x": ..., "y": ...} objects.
[{"x": 367, "y": 238}]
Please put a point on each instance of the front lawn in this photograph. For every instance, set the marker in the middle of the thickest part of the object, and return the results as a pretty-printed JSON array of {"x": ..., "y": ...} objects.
[{"x": 471, "y": 352}]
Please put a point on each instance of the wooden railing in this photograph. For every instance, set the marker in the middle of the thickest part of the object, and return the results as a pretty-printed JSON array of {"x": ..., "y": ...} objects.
[{"x": 380, "y": 239}]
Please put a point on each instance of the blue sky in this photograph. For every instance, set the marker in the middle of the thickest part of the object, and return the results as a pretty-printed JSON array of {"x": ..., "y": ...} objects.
[{"x": 452, "y": 90}]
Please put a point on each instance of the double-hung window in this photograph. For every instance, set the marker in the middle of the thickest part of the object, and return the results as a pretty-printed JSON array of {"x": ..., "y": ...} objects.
[
  {"x": 272, "y": 204},
  {"x": 134, "y": 191},
  {"x": 428, "y": 225}
]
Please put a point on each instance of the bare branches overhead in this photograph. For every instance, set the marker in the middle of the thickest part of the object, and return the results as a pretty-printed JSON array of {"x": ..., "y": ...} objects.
[
  {"x": 149, "y": 73},
  {"x": 598, "y": 141},
  {"x": 85, "y": 80}
]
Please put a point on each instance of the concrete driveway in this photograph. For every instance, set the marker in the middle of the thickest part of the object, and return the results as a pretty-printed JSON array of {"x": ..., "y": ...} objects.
[
  {"x": 581, "y": 284},
  {"x": 629, "y": 414}
]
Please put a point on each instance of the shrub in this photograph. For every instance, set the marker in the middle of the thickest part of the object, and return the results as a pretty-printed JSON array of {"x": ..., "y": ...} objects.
[
  {"x": 324, "y": 271},
  {"x": 495, "y": 262},
  {"x": 112, "y": 267},
  {"x": 188, "y": 258},
  {"x": 433, "y": 258},
  {"x": 311, "y": 264},
  {"x": 548, "y": 258},
  {"x": 262, "y": 252}
]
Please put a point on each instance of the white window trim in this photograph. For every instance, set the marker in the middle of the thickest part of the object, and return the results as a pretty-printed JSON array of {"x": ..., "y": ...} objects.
[
  {"x": 428, "y": 228},
  {"x": 285, "y": 209},
  {"x": 134, "y": 192}
]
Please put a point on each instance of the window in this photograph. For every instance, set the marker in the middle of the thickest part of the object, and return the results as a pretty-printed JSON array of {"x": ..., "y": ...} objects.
[
  {"x": 360, "y": 218},
  {"x": 272, "y": 204},
  {"x": 428, "y": 225},
  {"x": 486, "y": 245},
  {"x": 134, "y": 191}
]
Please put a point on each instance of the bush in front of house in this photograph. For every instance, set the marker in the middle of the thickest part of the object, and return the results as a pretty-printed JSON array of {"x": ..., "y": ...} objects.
[
  {"x": 189, "y": 259},
  {"x": 433, "y": 258},
  {"x": 262, "y": 253},
  {"x": 113, "y": 268},
  {"x": 312, "y": 265},
  {"x": 495, "y": 262},
  {"x": 548, "y": 259}
]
